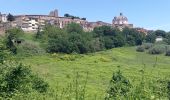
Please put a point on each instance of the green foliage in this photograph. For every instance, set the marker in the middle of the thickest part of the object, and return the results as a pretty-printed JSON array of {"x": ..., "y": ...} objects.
[
  {"x": 147, "y": 45},
  {"x": 157, "y": 49},
  {"x": 17, "y": 78},
  {"x": 140, "y": 49},
  {"x": 103, "y": 31},
  {"x": 111, "y": 37},
  {"x": 29, "y": 48},
  {"x": 73, "y": 17},
  {"x": 119, "y": 86},
  {"x": 168, "y": 89},
  {"x": 50, "y": 31},
  {"x": 10, "y": 45},
  {"x": 74, "y": 28},
  {"x": 133, "y": 37},
  {"x": 38, "y": 33},
  {"x": 167, "y": 38},
  {"x": 74, "y": 40},
  {"x": 150, "y": 37},
  {"x": 160, "y": 33},
  {"x": 39, "y": 84},
  {"x": 4, "y": 53},
  {"x": 58, "y": 44},
  {"x": 58, "y": 69},
  {"x": 10, "y": 17},
  {"x": 13, "y": 35},
  {"x": 167, "y": 52}
]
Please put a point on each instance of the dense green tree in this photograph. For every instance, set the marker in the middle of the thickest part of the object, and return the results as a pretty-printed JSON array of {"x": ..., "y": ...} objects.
[
  {"x": 160, "y": 33},
  {"x": 109, "y": 43},
  {"x": 73, "y": 27},
  {"x": 13, "y": 35},
  {"x": 17, "y": 78},
  {"x": 59, "y": 44},
  {"x": 10, "y": 17},
  {"x": 167, "y": 38},
  {"x": 119, "y": 86},
  {"x": 10, "y": 45},
  {"x": 38, "y": 33},
  {"x": 4, "y": 53},
  {"x": 103, "y": 31},
  {"x": 132, "y": 36},
  {"x": 83, "y": 18},
  {"x": 119, "y": 40},
  {"x": 150, "y": 37},
  {"x": 73, "y": 39},
  {"x": 66, "y": 15}
]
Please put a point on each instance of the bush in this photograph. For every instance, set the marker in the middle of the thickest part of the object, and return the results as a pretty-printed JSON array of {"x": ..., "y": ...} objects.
[
  {"x": 39, "y": 84},
  {"x": 4, "y": 53},
  {"x": 29, "y": 48},
  {"x": 17, "y": 78},
  {"x": 147, "y": 45},
  {"x": 167, "y": 52},
  {"x": 140, "y": 49},
  {"x": 119, "y": 86},
  {"x": 158, "y": 49}
]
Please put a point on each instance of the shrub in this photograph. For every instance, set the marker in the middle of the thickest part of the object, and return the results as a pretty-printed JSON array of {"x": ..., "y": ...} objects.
[
  {"x": 17, "y": 78},
  {"x": 167, "y": 52},
  {"x": 140, "y": 49},
  {"x": 158, "y": 49},
  {"x": 119, "y": 86},
  {"x": 147, "y": 45},
  {"x": 4, "y": 53},
  {"x": 29, "y": 48},
  {"x": 39, "y": 84}
]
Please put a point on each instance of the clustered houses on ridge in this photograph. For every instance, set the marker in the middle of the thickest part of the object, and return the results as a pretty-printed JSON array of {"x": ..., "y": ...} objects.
[{"x": 31, "y": 23}]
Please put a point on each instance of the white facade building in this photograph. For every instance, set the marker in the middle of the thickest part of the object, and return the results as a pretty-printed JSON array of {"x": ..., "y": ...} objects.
[
  {"x": 30, "y": 24},
  {"x": 3, "y": 18},
  {"x": 159, "y": 39}
]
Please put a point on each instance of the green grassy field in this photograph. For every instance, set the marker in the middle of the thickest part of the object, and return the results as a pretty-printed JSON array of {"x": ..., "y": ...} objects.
[{"x": 60, "y": 69}]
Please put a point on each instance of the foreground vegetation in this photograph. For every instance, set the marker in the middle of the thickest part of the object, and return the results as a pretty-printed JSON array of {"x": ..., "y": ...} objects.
[
  {"x": 59, "y": 70},
  {"x": 65, "y": 65}
]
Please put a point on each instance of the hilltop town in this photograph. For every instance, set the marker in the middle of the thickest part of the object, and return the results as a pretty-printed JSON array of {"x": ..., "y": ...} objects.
[
  {"x": 31, "y": 23},
  {"x": 71, "y": 57}
]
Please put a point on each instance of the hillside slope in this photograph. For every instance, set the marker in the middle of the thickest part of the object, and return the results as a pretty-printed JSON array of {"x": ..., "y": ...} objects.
[{"x": 60, "y": 69}]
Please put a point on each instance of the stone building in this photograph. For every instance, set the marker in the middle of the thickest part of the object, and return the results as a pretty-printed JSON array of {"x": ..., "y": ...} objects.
[
  {"x": 92, "y": 25},
  {"x": 121, "y": 22},
  {"x": 32, "y": 23},
  {"x": 3, "y": 18},
  {"x": 54, "y": 13}
]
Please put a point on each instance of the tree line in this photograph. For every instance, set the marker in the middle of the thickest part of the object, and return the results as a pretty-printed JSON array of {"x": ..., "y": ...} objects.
[{"x": 73, "y": 39}]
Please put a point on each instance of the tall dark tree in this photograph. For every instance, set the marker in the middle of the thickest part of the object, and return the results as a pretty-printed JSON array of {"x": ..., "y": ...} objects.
[
  {"x": 10, "y": 17},
  {"x": 150, "y": 37},
  {"x": 38, "y": 34},
  {"x": 133, "y": 37},
  {"x": 74, "y": 27},
  {"x": 160, "y": 33},
  {"x": 83, "y": 18},
  {"x": 66, "y": 15}
]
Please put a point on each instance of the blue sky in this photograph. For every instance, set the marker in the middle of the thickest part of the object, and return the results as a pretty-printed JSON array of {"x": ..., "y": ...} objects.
[{"x": 150, "y": 14}]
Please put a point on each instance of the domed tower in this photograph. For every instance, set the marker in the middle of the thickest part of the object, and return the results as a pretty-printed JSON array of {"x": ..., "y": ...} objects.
[{"x": 121, "y": 22}]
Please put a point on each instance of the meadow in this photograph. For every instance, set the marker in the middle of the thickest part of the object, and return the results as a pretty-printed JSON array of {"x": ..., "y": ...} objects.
[
  {"x": 83, "y": 74},
  {"x": 59, "y": 70}
]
